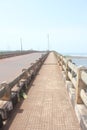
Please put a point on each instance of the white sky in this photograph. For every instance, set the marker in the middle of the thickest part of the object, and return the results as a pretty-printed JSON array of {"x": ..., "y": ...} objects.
[{"x": 32, "y": 20}]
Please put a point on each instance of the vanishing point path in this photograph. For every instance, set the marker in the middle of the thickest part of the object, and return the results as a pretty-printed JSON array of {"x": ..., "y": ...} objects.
[{"x": 47, "y": 106}]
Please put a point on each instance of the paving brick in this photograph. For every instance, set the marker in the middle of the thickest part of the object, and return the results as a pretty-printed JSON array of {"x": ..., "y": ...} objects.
[{"x": 48, "y": 106}]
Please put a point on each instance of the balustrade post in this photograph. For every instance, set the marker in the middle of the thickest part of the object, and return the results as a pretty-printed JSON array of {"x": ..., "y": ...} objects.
[
  {"x": 80, "y": 85},
  {"x": 62, "y": 63},
  {"x": 59, "y": 60},
  {"x": 67, "y": 69},
  {"x": 6, "y": 92},
  {"x": 57, "y": 56}
]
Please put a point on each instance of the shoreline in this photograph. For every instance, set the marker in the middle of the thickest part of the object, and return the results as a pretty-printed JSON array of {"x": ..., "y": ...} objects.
[{"x": 79, "y": 57}]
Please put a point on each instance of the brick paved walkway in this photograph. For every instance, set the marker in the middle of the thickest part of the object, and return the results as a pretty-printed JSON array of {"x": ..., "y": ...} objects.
[{"x": 48, "y": 106}]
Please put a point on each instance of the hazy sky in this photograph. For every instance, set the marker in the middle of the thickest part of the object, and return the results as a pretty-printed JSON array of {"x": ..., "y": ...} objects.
[{"x": 32, "y": 20}]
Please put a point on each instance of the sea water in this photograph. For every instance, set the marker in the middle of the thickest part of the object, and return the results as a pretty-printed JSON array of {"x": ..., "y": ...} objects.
[{"x": 80, "y": 61}]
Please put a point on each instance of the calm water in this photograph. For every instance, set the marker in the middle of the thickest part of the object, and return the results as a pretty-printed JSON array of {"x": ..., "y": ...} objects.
[{"x": 80, "y": 61}]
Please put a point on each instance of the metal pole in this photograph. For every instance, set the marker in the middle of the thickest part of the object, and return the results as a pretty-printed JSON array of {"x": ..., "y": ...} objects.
[
  {"x": 21, "y": 43},
  {"x": 48, "y": 41}
]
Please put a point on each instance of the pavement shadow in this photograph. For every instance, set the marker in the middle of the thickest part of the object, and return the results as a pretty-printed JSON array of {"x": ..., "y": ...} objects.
[{"x": 16, "y": 109}]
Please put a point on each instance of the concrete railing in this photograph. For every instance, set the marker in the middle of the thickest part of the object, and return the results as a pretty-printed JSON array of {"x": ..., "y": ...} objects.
[
  {"x": 77, "y": 75},
  {"x": 75, "y": 78},
  {"x": 11, "y": 93}
]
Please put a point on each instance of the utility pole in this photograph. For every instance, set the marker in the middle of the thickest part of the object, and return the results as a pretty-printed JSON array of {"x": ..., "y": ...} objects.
[
  {"x": 48, "y": 41},
  {"x": 21, "y": 43}
]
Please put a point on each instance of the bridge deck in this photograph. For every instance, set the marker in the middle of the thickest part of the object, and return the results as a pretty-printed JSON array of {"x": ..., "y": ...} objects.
[
  {"x": 10, "y": 68},
  {"x": 48, "y": 106}
]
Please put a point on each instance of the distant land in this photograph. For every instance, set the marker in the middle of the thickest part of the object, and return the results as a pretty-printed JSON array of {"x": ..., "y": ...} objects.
[{"x": 75, "y": 55}]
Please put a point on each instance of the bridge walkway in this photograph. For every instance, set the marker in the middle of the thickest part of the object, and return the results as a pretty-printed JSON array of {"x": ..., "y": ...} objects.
[{"x": 48, "y": 106}]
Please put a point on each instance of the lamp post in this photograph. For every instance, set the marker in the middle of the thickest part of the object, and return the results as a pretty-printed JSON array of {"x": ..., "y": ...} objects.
[
  {"x": 48, "y": 41},
  {"x": 21, "y": 43}
]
